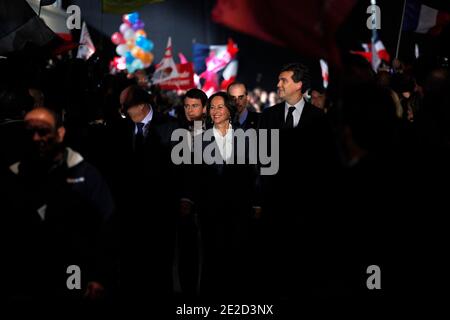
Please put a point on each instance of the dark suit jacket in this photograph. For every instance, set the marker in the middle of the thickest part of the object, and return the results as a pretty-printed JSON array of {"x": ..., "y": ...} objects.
[
  {"x": 273, "y": 117},
  {"x": 292, "y": 197},
  {"x": 252, "y": 121},
  {"x": 146, "y": 186}
]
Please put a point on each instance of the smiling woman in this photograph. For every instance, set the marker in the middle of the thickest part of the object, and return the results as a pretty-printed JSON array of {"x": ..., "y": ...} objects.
[{"x": 221, "y": 110}]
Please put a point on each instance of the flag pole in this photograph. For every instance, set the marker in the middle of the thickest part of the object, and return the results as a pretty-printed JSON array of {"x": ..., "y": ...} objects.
[
  {"x": 400, "y": 31},
  {"x": 40, "y": 6},
  {"x": 373, "y": 40}
]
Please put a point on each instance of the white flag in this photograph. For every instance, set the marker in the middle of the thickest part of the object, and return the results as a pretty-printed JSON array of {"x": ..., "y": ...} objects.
[
  {"x": 325, "y": 74},
  {"x": 86, "y": 48},
  {"x": 166, "y": 69}
]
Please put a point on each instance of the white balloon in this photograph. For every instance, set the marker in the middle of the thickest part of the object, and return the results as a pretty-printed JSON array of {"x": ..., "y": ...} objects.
[
  {"x": 137, "y": 64},
  {"x": 122, "y": 49},
  {"x": 124, "y": 27},
  {"x": 129, "y": 34}
]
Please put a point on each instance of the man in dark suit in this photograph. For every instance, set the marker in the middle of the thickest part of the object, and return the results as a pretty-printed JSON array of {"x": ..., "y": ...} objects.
[
  {"x": 294, "y": 111},
  {"x": 148, "y": 196},
  {"x": 188, "y": 247},
  {"x": 247, "y": 119},
  {"x": 289, "y": 225}
]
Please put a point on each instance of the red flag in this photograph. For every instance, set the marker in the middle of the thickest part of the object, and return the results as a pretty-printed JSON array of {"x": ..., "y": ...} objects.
[
  {"x": 307, "y": 26},
  {"x": 184, "y": 80}
]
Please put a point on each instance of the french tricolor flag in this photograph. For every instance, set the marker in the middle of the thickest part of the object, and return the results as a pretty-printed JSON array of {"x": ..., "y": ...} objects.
[{"x": 421, "y": 18}]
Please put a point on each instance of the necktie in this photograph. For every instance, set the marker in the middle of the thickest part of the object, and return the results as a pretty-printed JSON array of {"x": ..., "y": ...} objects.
[
  {"x": 290, "y": 118},
  {"x": 139, "y": 137}
]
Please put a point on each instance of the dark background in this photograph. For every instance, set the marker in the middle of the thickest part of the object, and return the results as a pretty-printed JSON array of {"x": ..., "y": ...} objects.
[
  {"x": 190, "y": 21},
  {"x": 259, "y": 62}
]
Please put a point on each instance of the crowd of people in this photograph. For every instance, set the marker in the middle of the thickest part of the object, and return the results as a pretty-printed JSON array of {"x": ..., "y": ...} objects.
[{"x": 88, "y": 179}]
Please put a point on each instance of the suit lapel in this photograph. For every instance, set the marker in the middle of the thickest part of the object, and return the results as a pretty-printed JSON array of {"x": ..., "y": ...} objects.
[
  {"x": 305, "y": 117},
  {"x": 280, "y": 114}
]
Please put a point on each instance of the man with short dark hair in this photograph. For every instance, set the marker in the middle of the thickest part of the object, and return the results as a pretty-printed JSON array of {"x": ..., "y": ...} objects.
[
  {"x": 195, "y": 104},
  {"x": 294, "y": 111},
  {"x": 289, "y": 194},
  {"x": 318, "y": 97},
  {"x": 195, "y": 101}
]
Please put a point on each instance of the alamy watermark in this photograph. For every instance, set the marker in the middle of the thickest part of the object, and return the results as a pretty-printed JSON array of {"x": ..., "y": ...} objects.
[
  {"x": 74, "y": 19},
  {"x": 374, "y": 20},
  {"x": 374, "y": 280},
  {"x": 250, "y": 146}
]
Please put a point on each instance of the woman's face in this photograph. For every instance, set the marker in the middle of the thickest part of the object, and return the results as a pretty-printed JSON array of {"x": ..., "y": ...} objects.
[{"x": 218, "y": 112}]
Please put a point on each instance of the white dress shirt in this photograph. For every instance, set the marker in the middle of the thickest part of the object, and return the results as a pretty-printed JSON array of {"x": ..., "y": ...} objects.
[
  {"x": 225, "y": 143},
  {"x": 297, "y": 112},
  {"x": 146, "y": 121}
]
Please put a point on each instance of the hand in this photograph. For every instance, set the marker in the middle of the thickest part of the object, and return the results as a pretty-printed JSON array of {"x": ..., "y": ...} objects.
[{"x": 94, "y": 291}]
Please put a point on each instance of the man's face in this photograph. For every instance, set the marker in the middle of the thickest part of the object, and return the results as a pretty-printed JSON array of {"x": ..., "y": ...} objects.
[
  {"x": 44, "y": 138},
  {"x": 193, "y": 109},
  {"x": 137, "y": 113},
  {"x": 237, "y": 93},
  {"x": 318, "y": 99},
  {"x": 287, "y": 88}
]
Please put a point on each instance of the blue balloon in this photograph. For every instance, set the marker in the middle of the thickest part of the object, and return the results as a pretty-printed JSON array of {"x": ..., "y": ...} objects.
[
  {"x": 140, "y": 41},
  {"x": 129, "y": 57},
  {"x": 149, "y": 45},
  {"x": 133, "y": 17},
  {"x": 145, "y": 44}
]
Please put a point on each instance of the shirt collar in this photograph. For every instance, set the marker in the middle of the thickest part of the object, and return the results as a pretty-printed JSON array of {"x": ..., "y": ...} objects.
[
  {"x": 217, "y": 133},
  {"x": 298, "y": 106},
  {"x": 148, "y": 117}
]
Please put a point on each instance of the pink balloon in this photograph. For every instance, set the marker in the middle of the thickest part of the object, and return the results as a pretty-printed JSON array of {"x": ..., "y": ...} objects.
[
  {"x": 117, "y": 38},
  {"x": 125, "y": 19},
  {"x": 124, "y": 27}
]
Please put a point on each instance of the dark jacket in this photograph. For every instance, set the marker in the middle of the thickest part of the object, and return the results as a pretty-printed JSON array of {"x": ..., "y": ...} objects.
[{"x": 60, "y": 218}]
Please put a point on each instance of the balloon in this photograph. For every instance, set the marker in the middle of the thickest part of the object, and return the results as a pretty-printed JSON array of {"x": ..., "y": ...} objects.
[
  {"x": 137, "y": 64},
  {"x": 137, "y": 52},
  {"x": 148, "y": 45},
  {"x": 129, "y": 34},
  {"x": 131, "y": 68},
  {"x": 129, "y": 57},
  {"x": 140, "y": 41},
  {"x": 125, "y": 19},
  {"x": 119, "y": 63},
  {"x": 121, "y": 66},
  {"x": 138, "y": 25},
  {"x": 124, "y": 27},
  {"x": 140, "y": 32},
  {"x": 144, "y": 43},
  {"x": 117, "y": 38},
  {"x": 147, "y": 59},
  {"x": 130, "y": 44},
  {"x": 133, "y": 17},
  {"x": 122, "y": 49}
]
